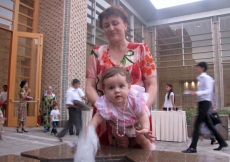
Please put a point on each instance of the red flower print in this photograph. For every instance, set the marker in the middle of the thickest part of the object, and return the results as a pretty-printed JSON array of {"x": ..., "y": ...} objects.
[
  {"x": 98, "y": 67},
  {"x": 135, "y": 73},
  {"x": 96, "y": 47},
  {"x": 105, "y": 57},
  {"x": 147, "y": 65},
  {"x": 104, "y": 67},
  {"x": 133, "y": 46},
  {"x": 147, "y": 48}
]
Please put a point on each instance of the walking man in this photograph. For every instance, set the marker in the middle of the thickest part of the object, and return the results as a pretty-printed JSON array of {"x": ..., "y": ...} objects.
[
  {"x": 204, "y": 95},
  {"x": 73, "y": 93}
]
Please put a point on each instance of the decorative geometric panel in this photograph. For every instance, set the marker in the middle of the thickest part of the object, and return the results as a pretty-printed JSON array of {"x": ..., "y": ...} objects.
[
  {"x": 77, "y": 41},
  {"x": 5, "y": 43},
  {"x": 64, "y": 26},
  {"x": 51, "y": 24}
]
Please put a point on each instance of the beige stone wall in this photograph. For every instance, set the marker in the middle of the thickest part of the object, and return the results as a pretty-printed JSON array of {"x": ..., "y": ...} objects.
[
  {"x": 77, "y": 41},
  {"x": 63, "y": 24},
  {"x": 51, "y": 24},
  {"x": 5, "y": 43}
]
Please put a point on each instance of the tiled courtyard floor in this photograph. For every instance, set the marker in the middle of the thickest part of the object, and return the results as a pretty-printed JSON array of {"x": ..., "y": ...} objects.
[{"x": 15, "y": 143}]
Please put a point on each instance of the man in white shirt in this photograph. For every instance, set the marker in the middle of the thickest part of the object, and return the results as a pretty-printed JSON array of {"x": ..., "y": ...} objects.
[
  {"x": 73, "y": 93},
  {"x": 204, "y": 95},
  {"x": 3, "y": 98}
]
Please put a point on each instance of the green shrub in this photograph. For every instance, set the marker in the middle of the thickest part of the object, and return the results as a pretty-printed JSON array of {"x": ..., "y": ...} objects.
[
  {"x": 193, "y": 111},
  {"x": 223, "y": 111}
]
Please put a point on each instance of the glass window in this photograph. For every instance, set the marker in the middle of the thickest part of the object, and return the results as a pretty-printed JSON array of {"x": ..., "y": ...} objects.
[
  {"x": 6, "y": 13},
  {"x": 26, "y": 10},
  {"x": 24, "y": 29},
  {"x": 179, "y": 47},
  {"x": 225, "y": 56},
  {"x": 28, "y": 3},
  {"x": 7, "y": 3},
  {"x": 5, "y": 24},
  {"x": 25, "y": 20}
]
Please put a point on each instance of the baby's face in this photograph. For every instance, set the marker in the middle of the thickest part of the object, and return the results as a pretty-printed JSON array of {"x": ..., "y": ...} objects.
[{"x": 116, "y": 89}]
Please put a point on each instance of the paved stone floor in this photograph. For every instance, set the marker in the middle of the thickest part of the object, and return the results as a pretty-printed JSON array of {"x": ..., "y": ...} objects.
[{"x": 15, "y": 143}]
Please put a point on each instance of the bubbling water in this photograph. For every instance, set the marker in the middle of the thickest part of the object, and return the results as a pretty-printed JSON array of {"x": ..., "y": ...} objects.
[{"x": 87, "y": 146}]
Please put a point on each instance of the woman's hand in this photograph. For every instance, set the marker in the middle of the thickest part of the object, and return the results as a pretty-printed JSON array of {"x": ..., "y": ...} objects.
[{"x": 147, "y": 134}]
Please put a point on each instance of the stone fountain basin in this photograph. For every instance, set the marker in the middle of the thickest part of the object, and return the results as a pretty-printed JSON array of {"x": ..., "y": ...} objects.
[
  {"x": 113, "y": 159},
  {"x": 62, "y": 153}
]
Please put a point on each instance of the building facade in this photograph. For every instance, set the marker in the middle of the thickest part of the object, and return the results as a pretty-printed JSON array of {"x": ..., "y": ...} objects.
[{"x": 48, "y": 42}]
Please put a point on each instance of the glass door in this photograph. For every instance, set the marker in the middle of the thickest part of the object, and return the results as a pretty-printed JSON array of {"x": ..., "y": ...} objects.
[{"x": 25, "y": 64}]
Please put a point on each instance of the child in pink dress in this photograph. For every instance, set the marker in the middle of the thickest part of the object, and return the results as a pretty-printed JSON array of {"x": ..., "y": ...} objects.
[{"x": 124, "y": 106}]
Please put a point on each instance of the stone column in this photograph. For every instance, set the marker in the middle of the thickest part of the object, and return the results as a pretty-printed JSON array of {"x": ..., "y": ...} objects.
[{"x": 218, "y": 69}]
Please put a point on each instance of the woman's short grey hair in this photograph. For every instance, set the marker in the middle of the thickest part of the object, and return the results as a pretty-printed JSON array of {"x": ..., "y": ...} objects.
[{"x": 49, "y": 87}]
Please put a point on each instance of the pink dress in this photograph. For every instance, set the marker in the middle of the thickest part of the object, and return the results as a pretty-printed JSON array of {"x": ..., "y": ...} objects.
[{"x": 127, "y": 116}]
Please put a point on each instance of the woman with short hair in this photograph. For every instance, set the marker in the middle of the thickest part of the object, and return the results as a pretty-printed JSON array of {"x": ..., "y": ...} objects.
[
  {"x": 135, "y": 58},
  {"x": 47, "y": 101}
]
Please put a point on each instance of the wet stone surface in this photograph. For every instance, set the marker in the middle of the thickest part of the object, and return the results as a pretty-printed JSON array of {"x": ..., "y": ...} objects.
[{"x": 116, "y": 154}]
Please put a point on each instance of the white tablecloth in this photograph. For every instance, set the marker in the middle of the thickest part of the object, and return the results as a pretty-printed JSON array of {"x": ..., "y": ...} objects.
[{"x": 169, "y": 125}]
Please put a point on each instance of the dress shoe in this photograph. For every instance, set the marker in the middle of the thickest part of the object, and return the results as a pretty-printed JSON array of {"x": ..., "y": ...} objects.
[
  {"x": 71, "y": 134},
  {"x": 60, "y": 139},
  {"x": 221, "y": 146},
  {"x": 18, "y": 131},
  {"x": 23, "y": 130},
  {"x": 189, "y": 150},
  {"x": 213, "y": 141}
]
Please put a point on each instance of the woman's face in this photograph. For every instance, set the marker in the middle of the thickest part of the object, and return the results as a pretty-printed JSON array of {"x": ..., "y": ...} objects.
[
  {"x": 167, "y": 88},
  {"x": 114, "y": 28},
  {"x": 49, "y": 90},
  {"x": 26, "y": 85}
]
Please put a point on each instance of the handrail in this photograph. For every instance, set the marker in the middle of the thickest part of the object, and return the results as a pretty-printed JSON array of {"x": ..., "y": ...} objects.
[{"x": 11, "y": 100}]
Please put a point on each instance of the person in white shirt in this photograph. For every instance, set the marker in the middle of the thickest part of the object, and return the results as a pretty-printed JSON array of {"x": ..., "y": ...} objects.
[
  {"x": 73, "y": 93},
  {"x": 54, "y": 118},
  {"x": 204, "y": 94},
  {"x": 3, "y": 98},
  {"x": 169, "y": 103}
]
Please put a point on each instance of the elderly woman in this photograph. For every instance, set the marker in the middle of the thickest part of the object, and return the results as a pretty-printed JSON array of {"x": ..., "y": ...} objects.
[
  {"x": 22, "y": 108},
  {"x": 46, "y": 106},
  {"x": 133, "y": 57}
]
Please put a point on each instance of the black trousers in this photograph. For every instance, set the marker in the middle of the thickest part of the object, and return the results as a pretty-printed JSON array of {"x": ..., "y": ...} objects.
[
  {"x": 203, "y": 116},
  {"x": 74, "y": 119},
  {"x": 4, "y": 109},
  {"x": 54, "y": 129}
]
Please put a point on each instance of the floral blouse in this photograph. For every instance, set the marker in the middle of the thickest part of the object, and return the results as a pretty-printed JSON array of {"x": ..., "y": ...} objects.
[{"x": 137, "y": 60}]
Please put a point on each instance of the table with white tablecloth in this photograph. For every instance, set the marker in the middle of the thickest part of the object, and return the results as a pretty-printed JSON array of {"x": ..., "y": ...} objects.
[{"x": 169, "y": 125}]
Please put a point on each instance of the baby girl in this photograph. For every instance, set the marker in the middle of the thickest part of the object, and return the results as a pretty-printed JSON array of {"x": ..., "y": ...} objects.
[{"x": 124, "y": 107}]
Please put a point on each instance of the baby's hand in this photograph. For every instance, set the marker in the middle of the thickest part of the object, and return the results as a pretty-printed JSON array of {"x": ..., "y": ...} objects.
[{"x": 147, "y": 134}]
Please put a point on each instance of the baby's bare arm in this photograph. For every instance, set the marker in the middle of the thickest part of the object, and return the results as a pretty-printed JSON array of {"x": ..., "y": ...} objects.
[
  {"x": 96, "y": 120},
  {"x": 145, "y": 125},
  {"x": 144, "y": 119}
]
